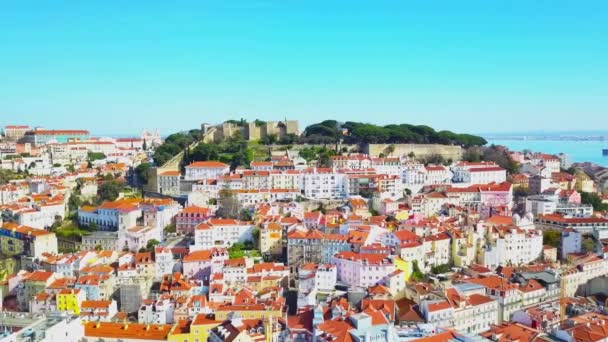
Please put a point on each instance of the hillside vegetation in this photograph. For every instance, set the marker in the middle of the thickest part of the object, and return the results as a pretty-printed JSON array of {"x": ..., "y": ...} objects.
[
  {"x": 362, "y": 133},
  {"x": 237, "y": 151},
  {"x": 174, "y": 144}
]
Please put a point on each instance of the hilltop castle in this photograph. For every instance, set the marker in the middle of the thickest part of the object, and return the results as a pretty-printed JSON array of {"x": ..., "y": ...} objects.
[{"x": 250, "y": 130}]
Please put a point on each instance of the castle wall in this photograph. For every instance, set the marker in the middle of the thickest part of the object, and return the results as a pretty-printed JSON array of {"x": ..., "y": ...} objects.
[{"x": 420, "y": 150}]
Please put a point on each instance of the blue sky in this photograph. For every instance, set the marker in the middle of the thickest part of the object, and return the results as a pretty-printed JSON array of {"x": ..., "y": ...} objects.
[{"x": 477, "y": 66}]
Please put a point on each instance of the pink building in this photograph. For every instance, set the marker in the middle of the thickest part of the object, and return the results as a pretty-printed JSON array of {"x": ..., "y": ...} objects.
[
  {"x": 493, "y": 195},
  {"x": 190, "y": 217},
  {"x": 570, "y": 196},
  {"x": 362, "y": 269}
]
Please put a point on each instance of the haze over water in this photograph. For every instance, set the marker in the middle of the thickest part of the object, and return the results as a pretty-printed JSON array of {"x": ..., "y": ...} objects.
[{"x": 579, "y": 151}]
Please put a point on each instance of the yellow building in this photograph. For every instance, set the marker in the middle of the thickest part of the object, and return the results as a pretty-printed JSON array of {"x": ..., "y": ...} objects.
[
  {"x": 258, "y": 283},
  {"x": 196, "y": 330},
  {"x": 405, "y": 266},
  {"x": 403, "y": 214},
  {"x": 251, "y": 311},
  {"x": 69, "y": 300},
  {"x": 464, "y": 248},
  {"x": 271, "y": 237}
]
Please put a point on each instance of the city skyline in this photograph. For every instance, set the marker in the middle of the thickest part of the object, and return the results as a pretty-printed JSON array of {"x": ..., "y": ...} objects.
[{"x": 464, "y": 67}]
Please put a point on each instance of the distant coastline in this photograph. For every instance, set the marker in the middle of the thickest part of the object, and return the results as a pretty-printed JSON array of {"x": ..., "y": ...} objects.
[
  {"x": 549, "y": 136},
  {"x": 579, "y": 149}
]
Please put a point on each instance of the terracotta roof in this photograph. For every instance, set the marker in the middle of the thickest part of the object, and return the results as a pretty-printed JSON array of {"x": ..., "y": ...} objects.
[
  {"x": 572, "y": 220},
  {"x": 170, "y": 173},
  {"x": 511, "y": 332},
  {"x": 223, "y": 222},
  {"x": 132, "y": 331},
  {"x": 194, "y": 210},
  {"x": 530, "y": 286},
  {"x": 201, "y": 319},
  {"x": 486, "y": 169},
  {"x": 442, "y": 305},
  {"x": 39, "y": 276},
  {"x": 498, "y": 219},
  {"x": 369, "y": 258},
  {"x": 310, "y": 234},
  {"x": 208, "y": 164},
  {"x": 95, "y": 304}
]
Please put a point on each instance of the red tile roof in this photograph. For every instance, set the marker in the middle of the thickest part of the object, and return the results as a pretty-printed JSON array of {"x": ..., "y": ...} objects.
[
  {"x": 208, "y": 164},
  {"x": 132, "y": 331}
]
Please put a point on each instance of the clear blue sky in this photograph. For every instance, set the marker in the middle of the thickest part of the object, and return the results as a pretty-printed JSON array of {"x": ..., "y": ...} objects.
[{"x": 478, "y": 66}]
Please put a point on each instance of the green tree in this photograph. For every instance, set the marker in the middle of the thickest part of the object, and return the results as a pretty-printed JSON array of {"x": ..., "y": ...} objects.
[
  {"x": 93, "y": 156},
  {"x": 588, "y": 245},
  {"x": 151, "y": 244},
  {"x": 245, "y": 215},
  {"x": 255, "y": 233},
  {"x": 171, "y": 228},
  {"x": 109, "y": 191},
  {"x": 269, "y": 139},
  {"x": 594, "y": 200},
  {"x": 417, "y": 274},
  {"x": 8, "y": 175},
  {"x": 142, "y": 172},
  {"x": 74, "y": 203},
  {"x": 440, "y": 269},
  {"x": 229, "y": 206},
  {"x": 551, "y": 238},
  {"x": 204, "y": 152},
  {"x": 433, "y": 159},
  {"x": 308, "y": 154}
]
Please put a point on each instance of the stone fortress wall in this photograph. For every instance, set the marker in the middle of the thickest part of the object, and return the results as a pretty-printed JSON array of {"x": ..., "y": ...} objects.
[
  {"x": 448, "y": 152},
  {"x": 250, "y": 131}
]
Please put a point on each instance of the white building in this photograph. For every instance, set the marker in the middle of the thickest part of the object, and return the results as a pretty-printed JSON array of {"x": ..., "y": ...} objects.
[
  {"x": 461, "y": 169},
  {"x": 164, "y": 261},
  {"x": 510, "y": 245},
  {"x": 117, "y": 215},
  {"x": 157, "y": 312},
  {"x": 571, "y": 242},
  {"x": 437, "y": 174},
  {"x": 221, "y": 233},
  {"x": 205, "y": 170},
  {"x": 478, "y": 173},
  {"x": 323, "y": 183},
  {"x": 465, "y": 308}
]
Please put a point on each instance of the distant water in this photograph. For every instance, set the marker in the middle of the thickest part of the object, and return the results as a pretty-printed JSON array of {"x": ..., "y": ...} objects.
[{"x": 579, "y": 151}]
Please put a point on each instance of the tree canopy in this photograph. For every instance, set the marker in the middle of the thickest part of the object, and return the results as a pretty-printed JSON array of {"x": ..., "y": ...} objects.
[
  {"x": 234, "y": 151},
  {"x": 357, "y": 133},
  {"x": 595, "y": 200},
  {"x": 110, "y": 190},
  {"x": 494, "y": 153},
  {"x": 142, "y": 172},
  {"x": 174, "y": 144}
]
